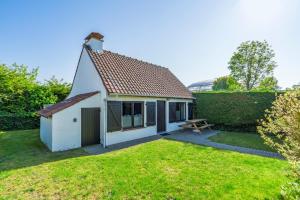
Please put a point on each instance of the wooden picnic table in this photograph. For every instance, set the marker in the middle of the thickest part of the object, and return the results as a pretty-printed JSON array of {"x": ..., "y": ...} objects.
[{"x": 197, "y": 125}]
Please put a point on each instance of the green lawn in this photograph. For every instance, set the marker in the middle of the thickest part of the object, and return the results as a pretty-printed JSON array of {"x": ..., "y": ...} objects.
[
  {"x": 162, "y": 169},
  {"x": 242, "y": 139}
]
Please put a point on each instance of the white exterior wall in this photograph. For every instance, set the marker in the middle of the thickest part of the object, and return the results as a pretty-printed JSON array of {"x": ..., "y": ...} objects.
[
  {"x": 46, "y": 131},
  {"x": 123, "y": 136},
  {"x": 87, "y": 80},
  {"x": 127, "y": 135},
  {"x": 66, "y": 134}
]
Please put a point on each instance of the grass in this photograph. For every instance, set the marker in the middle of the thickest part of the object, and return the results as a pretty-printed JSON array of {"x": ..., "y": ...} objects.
[
  {"x": 242, "y": 139},
  {"x": 161, "y": 169}
]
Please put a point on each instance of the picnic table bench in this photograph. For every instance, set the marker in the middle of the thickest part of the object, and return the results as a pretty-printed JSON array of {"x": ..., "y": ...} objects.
[{"x": 197, "y": 125}]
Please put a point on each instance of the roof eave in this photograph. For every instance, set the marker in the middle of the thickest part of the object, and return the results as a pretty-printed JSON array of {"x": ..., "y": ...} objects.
[
  {"x": 151, "y": 96},
  {"x": 52, "y": 112}
]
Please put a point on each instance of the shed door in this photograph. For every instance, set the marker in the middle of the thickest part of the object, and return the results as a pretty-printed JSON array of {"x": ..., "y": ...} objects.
[
  {"x": 161, "y": 116},
  {"x": 90, "y": 126}
]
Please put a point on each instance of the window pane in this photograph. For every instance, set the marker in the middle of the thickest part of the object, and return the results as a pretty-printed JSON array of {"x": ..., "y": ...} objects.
[
  {"x": 126, "y": 116},
  {"x": 138, "y": 116},
  {"x": 126, "y": 108},
  {"x": 137, "y": 108},
  {"x": 176, "y": 111}
]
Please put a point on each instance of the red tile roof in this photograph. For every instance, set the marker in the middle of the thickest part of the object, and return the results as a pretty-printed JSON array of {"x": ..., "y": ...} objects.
[
  {"x": 128, "y": 76},
  {"x": 49, "y": 111}
]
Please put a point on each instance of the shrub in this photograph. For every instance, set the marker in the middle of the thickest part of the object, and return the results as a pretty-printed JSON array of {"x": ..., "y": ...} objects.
[
  {"x": 283, "y": 122},
  {"x": 227, "y": 83},
  {"x": 17, "y": 122},
  {"x": 21, "y": 96},
  {"x": 233, "y": 110}
]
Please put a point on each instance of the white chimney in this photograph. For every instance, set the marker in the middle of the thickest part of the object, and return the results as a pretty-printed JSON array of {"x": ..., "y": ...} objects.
[{"x": 95, "y": 41}]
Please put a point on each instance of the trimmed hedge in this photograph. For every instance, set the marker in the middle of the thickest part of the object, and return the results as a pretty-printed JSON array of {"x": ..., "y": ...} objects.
[
  {"x": 15, "y": 122},
  {"x": 233, "y": 110}
]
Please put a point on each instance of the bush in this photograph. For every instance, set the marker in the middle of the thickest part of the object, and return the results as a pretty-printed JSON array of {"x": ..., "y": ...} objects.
[
  {"x": 237, "y": 111},
  {"x": 21, "y": 96},
  {"x": 17, "y": 122},
  {"x": 281, "y": 130},
  {"x": 227, "y": 83}
]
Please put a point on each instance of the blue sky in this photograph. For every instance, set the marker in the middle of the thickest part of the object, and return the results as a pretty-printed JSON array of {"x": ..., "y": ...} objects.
[{"x": 194, "y": 39}]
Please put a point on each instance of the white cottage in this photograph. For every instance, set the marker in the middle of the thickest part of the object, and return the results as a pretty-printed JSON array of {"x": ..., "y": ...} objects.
[{"x": 114, "y": 98}]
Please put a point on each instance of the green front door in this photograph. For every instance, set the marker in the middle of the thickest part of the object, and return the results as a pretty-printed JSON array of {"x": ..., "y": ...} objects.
[{"x": 90, "y": 126}]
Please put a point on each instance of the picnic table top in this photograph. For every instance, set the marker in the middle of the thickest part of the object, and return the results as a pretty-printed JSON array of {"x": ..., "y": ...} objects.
[{"x": 195, "y": 120}]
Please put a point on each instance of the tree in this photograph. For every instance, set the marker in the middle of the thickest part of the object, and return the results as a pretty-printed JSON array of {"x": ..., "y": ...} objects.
[
  {"x": 251, "y": 63},
  {"x": 281, "y": 130},
  {"x": 20, "y": 91},
  {"x": 59, "y": 88},
  {"x": 296, "y": 86},
  {"x": 21, "y": 96},
  {"x": 226, "y": 83},
  {"x": 269, "y": 84}
]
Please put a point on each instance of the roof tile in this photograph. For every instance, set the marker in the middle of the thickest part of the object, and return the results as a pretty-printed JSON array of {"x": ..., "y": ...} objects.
[
  {"x": 129, "y": 76},
  {"x": 49, "y": 111}
]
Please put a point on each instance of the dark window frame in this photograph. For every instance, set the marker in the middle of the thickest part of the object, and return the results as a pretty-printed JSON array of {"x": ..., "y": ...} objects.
[
  {"x": 174, "y": 119},
  {"x": 132, "y": 115}
]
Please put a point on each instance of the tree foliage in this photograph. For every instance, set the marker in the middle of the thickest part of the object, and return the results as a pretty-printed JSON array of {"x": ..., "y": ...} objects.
[
  {"x": 21, "y": 95},
  {"x": 268, "y": 84},
  {"x": 297, "y": 86},
  {"x": 226, "y": 83},
  {"x": 58, "y": 88},
  {"x": 281, "y": 130},
  {"x": 251, "y": 63}
]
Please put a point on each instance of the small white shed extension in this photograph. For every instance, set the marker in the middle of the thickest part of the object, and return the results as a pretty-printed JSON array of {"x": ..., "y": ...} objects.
[
  {"x": 115, "y": 98},
  {"x": 61, "y": 123}
]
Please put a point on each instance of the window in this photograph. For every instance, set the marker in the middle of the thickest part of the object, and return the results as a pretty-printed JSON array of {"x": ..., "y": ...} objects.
[
  {"x": 132, "y": 114},
  {"x": 151, "y": 113},
  {"x": 137, "y": 115},
  {"x": 126, "y": 115},
  {"x": 191, "y": 111},
  {"x": 176, "y": 111}
]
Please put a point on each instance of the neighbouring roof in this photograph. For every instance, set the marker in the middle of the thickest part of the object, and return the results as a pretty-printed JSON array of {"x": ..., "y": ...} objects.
[
  {"x": 128, "y": 76},
  {"x": 50, "y": 110},
  {"x": 202, "y": 83}
]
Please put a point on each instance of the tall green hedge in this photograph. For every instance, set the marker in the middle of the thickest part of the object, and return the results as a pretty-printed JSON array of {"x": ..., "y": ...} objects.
[
  {"x": 17, "y": 122},
  {"x": 233, "y": 110}
]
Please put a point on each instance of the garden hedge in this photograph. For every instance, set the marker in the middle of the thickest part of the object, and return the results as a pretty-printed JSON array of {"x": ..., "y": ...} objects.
[
  {"x": 18, "y": 122},
  {"x": 233, "y": 110}
]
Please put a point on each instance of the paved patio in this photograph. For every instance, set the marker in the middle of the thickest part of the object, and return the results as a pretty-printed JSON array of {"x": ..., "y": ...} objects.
[
  {"x": 184, "y": 136},
  {"x": 202, "y": 139}
]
